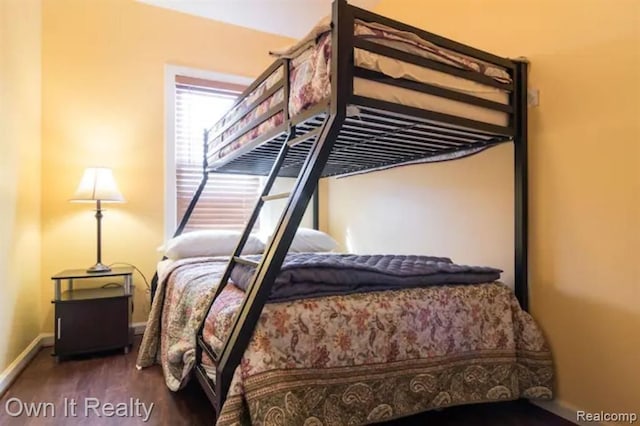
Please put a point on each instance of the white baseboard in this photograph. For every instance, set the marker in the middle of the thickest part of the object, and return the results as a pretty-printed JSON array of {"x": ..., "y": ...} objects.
[
  {"x": 46, "y": 340},
  {"x": 139, "y": 327},
  {"x": 565, "y": 410},
  {"x": 15, "y": 368},
  {"x": 42, "y": 340}
]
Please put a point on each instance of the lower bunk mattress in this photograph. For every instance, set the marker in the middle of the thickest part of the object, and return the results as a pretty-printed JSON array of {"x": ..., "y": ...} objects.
[{"x": 352, "y": 359}]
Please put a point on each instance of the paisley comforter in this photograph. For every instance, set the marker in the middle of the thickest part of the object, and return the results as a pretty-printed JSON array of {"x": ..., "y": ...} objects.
[{"x": 353, "y": 359}]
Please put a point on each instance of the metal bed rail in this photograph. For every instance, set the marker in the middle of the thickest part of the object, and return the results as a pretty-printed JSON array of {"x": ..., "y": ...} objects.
[
  {"x": 372, "y": 139},
  {"x": 217, "y": 133}
]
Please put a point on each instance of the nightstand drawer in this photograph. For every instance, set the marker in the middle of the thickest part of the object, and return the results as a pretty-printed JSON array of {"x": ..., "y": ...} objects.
[{"x": 91, "y": 325}]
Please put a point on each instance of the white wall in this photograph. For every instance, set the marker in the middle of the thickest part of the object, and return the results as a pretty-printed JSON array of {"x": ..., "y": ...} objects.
[{"x": 461, "y": 209}]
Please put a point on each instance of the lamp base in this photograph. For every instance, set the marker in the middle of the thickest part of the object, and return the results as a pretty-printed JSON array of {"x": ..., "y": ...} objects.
[{"x": 99, "y": 267}]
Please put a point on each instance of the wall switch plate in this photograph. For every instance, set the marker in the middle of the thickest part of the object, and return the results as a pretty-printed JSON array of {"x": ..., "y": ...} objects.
[{"x": 533, "y": 97}]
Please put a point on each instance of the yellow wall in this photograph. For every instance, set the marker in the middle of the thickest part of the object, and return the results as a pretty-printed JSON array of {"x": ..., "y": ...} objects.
[
  {"x": 585, "y": 182},
  {"x": 20, "y": 123},
  {"x": 102, "y": 75}
]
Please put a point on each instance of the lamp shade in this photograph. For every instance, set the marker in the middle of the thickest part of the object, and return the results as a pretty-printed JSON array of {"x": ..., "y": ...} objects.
[{"x": 98, "y": 184}]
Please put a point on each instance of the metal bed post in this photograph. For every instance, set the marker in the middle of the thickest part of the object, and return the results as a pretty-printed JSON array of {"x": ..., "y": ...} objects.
[
  {"x": 196, "y": 196},
  {"x": 190, "y": 207},
  {"x": 316, "y": 208},
  {"x": 521, "y": 188}
]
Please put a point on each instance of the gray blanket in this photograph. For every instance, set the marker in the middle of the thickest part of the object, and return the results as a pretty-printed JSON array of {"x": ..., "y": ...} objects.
[{"x": 306, "y": 275}]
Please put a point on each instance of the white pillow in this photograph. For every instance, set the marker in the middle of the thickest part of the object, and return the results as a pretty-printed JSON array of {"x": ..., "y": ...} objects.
[
  {"x": 210, "y": 243},
  {"x": 311, "y": 240}
]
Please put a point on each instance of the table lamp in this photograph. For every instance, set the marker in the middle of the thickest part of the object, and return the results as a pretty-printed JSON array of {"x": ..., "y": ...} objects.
[{"x": 97, "y": 184}]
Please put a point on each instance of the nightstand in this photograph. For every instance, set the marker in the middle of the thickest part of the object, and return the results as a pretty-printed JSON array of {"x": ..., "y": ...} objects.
[{"x": 92, "y": 319}]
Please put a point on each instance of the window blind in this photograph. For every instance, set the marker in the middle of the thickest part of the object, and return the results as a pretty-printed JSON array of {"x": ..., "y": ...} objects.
[{"x": 227, "y": 200}]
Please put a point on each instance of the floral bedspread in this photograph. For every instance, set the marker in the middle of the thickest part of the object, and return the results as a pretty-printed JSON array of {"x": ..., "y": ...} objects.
[
  {"x": 183, "y": 294},
  {"x": 358, "y": 358}
]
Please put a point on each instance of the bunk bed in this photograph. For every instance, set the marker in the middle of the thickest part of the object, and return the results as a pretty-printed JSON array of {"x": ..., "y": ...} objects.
[{"x": 361, "y": 93}]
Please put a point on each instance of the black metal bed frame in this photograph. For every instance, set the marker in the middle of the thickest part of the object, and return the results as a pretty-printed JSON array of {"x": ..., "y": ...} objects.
[{"x": 326, "y": 141}]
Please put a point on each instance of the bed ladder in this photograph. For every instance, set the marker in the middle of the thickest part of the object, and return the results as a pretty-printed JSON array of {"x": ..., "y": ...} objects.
[
  {"x": 268, "y": 268},
  {"x": 269, "y": 265}
]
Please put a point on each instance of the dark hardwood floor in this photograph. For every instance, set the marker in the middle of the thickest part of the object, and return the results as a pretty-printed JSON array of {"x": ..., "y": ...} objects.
[{"x": 113, "y": 378}]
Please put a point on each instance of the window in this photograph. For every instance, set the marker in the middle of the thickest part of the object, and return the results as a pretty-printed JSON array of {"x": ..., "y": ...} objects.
[{"x": 227, "y": 200}]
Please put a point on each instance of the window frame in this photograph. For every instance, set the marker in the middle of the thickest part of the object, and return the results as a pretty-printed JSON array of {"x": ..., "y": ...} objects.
[{"x": 170, "y": 190}]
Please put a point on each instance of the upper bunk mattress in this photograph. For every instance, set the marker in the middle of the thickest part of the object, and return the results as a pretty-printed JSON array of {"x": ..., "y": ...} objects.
[{"x": 310, "y": 70}]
